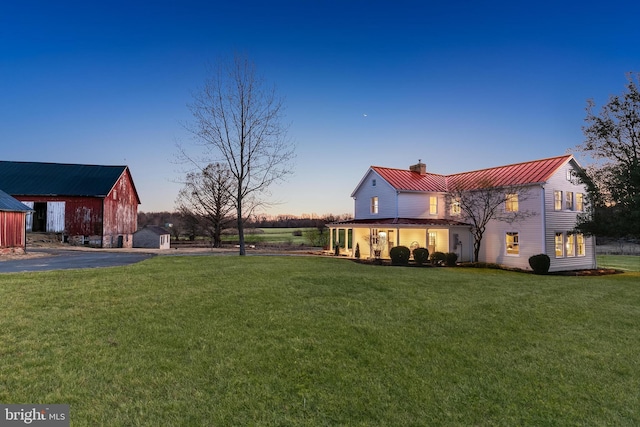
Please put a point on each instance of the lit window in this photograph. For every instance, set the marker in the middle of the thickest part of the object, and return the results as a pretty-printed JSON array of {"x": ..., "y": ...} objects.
[
  {"x": 580, "y": 244},
  {"x": 559, "y": 245},
  {"x": 571, "y": 249},
  {"x": 513, "y": 244},
  {"x": 432, "y": 239},
  {"x": 511, "y": 203},
  {"x": 433, "y": 205},
  {"x": 579, "y": 202},
  {"x": 374, "y": 205},
  {"x": 557, "y": 200},
  {"x": 455, "y": 208},
  {"x": 568, "y": 204}
]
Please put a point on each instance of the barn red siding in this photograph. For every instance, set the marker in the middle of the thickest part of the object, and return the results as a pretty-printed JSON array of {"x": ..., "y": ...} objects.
[
  {"x": 82, "y": 215},
  {"x": 121, "y": 213},
  {"x": 12, "y": 232}
]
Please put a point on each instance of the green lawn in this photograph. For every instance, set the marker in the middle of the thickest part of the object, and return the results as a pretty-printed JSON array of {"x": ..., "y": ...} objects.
[
  {"x": 620, "y": 262},
  {"x": 270, "y": 236},
  {"x": 264, "y": 340}
]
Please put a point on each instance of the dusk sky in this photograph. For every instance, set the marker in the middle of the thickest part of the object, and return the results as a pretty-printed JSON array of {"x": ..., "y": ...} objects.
[{"x": 462, "y": 85}]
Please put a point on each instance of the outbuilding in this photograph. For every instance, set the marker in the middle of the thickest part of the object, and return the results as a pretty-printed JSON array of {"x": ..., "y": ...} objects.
[
  {"x": 13, "y": 216},
  {"x": 152, "y": 236},
  {"x": 87, "y": 204}
]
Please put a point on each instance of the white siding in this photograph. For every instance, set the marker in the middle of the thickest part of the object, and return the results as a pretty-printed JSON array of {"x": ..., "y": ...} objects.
[
  {"x": 55, "y": 217},
  {"x": 387, "y": 198},
  {"x": 416, "y": 205},
  {"x": 413, "y": 205},
  {"x": 494, "y": 248},
  {"x": 564, "y": 220}
]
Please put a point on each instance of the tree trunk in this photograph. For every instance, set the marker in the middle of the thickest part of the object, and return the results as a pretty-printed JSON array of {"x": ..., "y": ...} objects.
[{"x": 240, "y": 223}]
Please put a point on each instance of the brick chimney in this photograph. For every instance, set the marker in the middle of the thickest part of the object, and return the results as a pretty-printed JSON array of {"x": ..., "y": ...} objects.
[{"x": 420, "y": 168}]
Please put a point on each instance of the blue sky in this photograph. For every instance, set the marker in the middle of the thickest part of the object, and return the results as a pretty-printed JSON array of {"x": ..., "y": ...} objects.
[{"x": 461, "y": 85}]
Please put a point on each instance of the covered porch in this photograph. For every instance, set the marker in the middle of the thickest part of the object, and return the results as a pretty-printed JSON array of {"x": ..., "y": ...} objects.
[{"x": 374, "y": 239}]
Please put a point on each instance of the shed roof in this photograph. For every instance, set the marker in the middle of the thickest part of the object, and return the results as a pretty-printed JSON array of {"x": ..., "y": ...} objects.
[
  {"x": 532, "y": 172},
  {"x": 155, "y": 229},
  {"x": 58, "y": 179},
  {"x": 9, "y": 204}
]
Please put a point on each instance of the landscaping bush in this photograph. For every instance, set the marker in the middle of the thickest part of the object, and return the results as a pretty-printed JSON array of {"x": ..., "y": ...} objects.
[
  {"x": 450, "y": 259},
  {"x": 357, "y": 254},
  {"x": 438, "y": 258},
  {"x": 420, "y": 255},
  {"x": 399, "y": 255},
  {"x": 540, "y": 263}
]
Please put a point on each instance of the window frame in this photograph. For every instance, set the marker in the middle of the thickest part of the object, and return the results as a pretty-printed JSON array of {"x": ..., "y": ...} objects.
[
  {"x": 557, "y": 200},
  {"x": 570, "y": 245},
  {"x": 559, "y": 244},
  {"x": 374, "y": 207},
  {"x": 581, "y": 245},
  {"x": 455, "y": 207},
  {"x": 511, "y": 203},
  {"x": 433, "y": 205},
  {"x": 579, "y": 202},
  {"x": 568, "y": 201},
  {"x": 514, "y": 242}
]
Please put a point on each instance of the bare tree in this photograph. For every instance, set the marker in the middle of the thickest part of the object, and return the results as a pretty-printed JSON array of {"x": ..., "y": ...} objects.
[
  {"x": 480, "y": 202},
  {"x": 239, "y": 121},
  {"x": 207, "y": 195}
]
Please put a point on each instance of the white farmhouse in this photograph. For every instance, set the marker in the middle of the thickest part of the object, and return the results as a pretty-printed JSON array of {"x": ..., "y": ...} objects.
[{"x": 398, "y": 207}]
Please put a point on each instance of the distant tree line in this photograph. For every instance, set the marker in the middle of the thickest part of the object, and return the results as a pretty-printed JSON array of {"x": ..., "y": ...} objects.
[{"x": 185, "y": 225}]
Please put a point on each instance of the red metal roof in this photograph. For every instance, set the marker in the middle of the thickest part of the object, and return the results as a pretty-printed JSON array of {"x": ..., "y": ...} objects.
[
  {"x": 532, "y": 172},
  {"x": 406, "y": 180}
]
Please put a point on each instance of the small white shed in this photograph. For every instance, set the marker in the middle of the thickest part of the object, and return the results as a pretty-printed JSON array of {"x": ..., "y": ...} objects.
[{"x": 152, "y": 236}]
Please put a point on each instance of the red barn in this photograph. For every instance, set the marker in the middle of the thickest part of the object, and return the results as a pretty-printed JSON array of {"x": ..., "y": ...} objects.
[
  {"x": 88, "y": 204},
  {"x": 12, "y": 224}
]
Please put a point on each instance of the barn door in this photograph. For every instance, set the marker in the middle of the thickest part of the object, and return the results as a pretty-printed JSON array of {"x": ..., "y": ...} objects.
[{"x": 55, "y": 217}]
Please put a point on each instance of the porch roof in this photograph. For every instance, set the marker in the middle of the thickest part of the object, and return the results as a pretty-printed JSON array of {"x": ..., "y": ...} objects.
[{"x": 401, "y": 221}]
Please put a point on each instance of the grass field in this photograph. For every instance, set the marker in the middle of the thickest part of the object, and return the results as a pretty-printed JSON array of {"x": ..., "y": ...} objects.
[
  {"x": 620, "y": 262},
  {"x": 276, "y": 236},
  {"x": 287, "y": 341}
]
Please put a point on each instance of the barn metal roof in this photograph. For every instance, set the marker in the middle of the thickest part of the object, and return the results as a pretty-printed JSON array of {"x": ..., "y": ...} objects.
[
  {"x": 532, "y": 172},
  {"x": 58, "y": 179},
  {"x": 9, "y": 204}
]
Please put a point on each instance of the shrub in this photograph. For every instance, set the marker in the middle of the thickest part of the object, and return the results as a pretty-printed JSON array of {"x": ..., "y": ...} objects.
[
  {"x": 297, "y": 233},
  {"x": 399, "y": 255},
  {"x": 420, "y": 255},
  {"x": 540, "y": 263},
  {"x": 357, "y": 254},
  {"x": 450, "y": 259},
  {"x": 437, "y": 258}
]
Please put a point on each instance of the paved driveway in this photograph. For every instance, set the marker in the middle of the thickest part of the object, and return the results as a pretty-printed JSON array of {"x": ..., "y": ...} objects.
[{"x": 56, "y": 259}]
